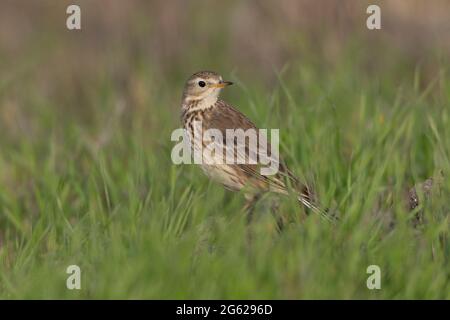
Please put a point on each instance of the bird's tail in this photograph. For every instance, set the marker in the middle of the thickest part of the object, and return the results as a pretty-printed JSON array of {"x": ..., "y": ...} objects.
[{"x": 306, "y": 200}]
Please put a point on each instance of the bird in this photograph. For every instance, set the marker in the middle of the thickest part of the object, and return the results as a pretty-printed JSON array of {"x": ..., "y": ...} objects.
[{"x": 201, "y": 109}]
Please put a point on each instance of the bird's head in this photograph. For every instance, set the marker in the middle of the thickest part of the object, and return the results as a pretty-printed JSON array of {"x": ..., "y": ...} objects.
[{"x": 203, "y": 85}]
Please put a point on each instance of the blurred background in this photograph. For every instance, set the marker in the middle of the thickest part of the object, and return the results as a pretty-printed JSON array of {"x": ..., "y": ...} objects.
[
  {"x": 130, "y": 42},
  {"x": 85, "y": 169}
]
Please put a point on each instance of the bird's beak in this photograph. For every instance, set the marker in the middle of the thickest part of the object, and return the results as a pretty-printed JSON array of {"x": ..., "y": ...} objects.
[{"x": 221, "y": 84}]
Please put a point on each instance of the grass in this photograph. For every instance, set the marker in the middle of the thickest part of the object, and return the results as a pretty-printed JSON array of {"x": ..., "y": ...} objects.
[{"x": 96, "y": 188}]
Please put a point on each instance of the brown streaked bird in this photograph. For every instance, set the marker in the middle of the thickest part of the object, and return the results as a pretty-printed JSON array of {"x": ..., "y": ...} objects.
[{"x": 201, "y": 106}]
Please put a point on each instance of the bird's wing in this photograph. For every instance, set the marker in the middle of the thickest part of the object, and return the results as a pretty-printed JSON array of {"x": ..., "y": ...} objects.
[{"x": 225, "y": 116}]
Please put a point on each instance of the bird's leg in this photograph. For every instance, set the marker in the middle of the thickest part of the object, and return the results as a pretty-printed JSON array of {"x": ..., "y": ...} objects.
[
  {"x": 249, "y": 208},
  {"x": 274, "y": 208}
]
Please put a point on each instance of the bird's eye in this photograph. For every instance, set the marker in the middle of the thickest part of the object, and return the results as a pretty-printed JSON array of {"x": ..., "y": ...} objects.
[{"x": 202, "y": 83}]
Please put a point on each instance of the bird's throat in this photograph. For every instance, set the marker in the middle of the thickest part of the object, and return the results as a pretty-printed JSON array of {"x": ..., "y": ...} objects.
[{"x": 201, "y": 104}]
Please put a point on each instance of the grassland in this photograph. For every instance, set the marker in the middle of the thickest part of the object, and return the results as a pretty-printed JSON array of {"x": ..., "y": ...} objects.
[{"x": 86, "y": 178}]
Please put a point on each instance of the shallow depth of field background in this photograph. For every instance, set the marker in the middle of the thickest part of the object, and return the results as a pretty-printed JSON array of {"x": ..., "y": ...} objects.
[{"x": 86, "y": 176}]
